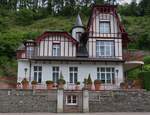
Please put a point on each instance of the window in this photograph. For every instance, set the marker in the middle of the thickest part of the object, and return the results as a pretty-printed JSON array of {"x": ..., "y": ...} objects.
[
  {"x": 106, "y": 74},
  {"x": 30, "y": 51},
  {"x": 73, "y": 75},
  {"x": 71, "y": 100},
  {"x": 105, "y": 48},
  {"x": 38, "y": 73},
  {"x": 104, "y": 27},
  {"x": 56, "y": 49},
  {"x": 78, "y": 35},
  {"x": 55, "y": 74}
]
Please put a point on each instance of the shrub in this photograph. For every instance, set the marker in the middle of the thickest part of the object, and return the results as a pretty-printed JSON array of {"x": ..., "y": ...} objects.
[
  {"x": 34, "y": 82},
  {"x": 97, "y": 81},
  {"x": 89, "y": 80},
  {"x": 49, "y": 82},
  {"x": 77, "y": 83},
  {"x": 61, "y": 80},
  {"x": 25, "y": 81},
  {"x": 147, "y": 60},
  {"x": 145, "y": 76},
  {"x": 85, "y": 81}
]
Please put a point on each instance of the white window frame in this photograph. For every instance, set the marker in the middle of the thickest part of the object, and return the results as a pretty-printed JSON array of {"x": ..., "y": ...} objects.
[
  {"x": 105, "y": 73},
  {"x": 71, "y": 101},
  {"x": 73, "y": 72},
  {"x": 30, "y": 51},
  {"x": 38, "y": 73},
  {"x": 103, "y": 28},
  {"x": 108, "y": 48},
  {"x": 56, "y": 49},
  {"x": 55, "y": 72}
]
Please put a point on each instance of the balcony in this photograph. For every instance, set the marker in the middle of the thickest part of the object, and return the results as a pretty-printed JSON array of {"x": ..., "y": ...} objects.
[{"x": 133, "y": 59}]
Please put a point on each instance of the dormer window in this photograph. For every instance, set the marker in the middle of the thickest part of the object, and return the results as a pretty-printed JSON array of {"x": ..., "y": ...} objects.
[
  {"x": 104, "y": 27},
  {"x": 56, "y": 49}
]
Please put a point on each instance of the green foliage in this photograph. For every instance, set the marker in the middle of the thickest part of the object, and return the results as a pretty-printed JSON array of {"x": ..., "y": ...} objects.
[
  {"x": 61, "y": 80},
  {"x": 77, "y": 83},
  {"x": 147, "y": 60},
  {"x": 144, "y": 41},
  {"x": 146, "y": 79},
  {"x": 132, "y": 75},
  {"x": 24, "y": 17},
  {"x": 7, "y": 67},
  {"x": 25, "y": 81},
  {"x": 49, "y": 82},
  {"x": 89, "y": 80},
  {"x": 34, "y": 82}
]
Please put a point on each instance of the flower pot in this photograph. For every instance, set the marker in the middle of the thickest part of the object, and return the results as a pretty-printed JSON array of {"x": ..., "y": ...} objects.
[
  {"x": 61, "y": 86},
  {"x": 49, "y": 86},
  {"x": 77, "y": 87},
  {"x": 89, "y": 86},
  {"x": 97, "y": 87},
  {"x": 137, "y": 84},
  {"x": 25, "y": 86},
  {"x": 33, "y": 86}
]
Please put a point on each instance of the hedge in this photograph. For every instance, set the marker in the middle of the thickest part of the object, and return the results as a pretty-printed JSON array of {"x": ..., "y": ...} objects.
[{"x": 145, "y": 76}]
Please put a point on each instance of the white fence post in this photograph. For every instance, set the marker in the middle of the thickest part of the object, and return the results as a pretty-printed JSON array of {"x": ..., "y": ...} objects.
[
  {"x": 85, "y": 101},
  {"x": 60, "y": 97}
]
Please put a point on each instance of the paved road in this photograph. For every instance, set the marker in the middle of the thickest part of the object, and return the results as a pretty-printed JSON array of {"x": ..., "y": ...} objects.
[{"x": 122, "y": 113}]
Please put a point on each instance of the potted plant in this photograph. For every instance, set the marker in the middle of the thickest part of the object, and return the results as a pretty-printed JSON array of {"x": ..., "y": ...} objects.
[
  {"x": 137, "y": 84},
  {"x": 25, "y": 83},
  {"x": 89, "y": 82},
  {"x": 34, "y": 83},
  {"x": 77, "y": 85},
  {"x": 85, "y": 83},
  {"x": 49, "y": 84},
  {"x": 97, "y": 84},
  {"x": 18, "y": 85},
  {"x": 122, "y": 85},
  {"x": 61, "y": 81}
]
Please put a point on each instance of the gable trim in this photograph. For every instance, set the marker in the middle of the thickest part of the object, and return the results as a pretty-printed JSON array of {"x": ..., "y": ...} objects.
[{"x": 47, "y": 33}]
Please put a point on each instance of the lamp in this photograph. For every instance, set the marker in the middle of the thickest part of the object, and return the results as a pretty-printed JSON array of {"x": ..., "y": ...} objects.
[
  {"x": 117, "y": 71},
  {"x": 25, "y": 71}
]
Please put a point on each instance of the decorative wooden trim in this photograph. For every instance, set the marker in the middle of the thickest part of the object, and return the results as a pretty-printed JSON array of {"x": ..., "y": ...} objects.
[{"x": 65, "y": 34}]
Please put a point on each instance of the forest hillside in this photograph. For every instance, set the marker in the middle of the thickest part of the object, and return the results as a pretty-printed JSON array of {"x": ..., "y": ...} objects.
[{"x": 26, "y": 19}]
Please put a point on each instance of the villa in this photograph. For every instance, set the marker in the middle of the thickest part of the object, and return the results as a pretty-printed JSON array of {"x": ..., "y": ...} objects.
[{"x": 97, "y": 49}]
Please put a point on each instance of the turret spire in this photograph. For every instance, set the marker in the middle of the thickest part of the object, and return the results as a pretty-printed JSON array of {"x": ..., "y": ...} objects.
[{"x": 78, "y": 21}]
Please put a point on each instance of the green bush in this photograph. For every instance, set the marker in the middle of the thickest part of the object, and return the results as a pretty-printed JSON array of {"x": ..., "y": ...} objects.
[
  {"x": 145, "y": 76},
  {"x": 147, "y": 60}
]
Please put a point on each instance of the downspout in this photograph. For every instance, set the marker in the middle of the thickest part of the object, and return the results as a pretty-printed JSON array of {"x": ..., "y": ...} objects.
[{"x": 29, "y": 70}]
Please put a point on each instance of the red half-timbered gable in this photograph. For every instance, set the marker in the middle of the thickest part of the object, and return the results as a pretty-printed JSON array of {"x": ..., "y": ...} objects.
[
  {"x": 49, "y": 42},
  {"x": 105, "y": 26}
]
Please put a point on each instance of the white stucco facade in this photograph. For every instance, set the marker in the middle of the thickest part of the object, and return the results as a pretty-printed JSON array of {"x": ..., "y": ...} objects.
[{"x": 84, "y": 69}]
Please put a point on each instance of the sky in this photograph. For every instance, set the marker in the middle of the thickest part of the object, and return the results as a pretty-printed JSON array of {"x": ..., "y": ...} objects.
[{"x": 126, "y": 1}]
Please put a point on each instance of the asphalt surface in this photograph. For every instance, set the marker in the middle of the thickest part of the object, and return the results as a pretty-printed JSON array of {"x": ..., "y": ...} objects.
[{"x": 106, "y": 113}]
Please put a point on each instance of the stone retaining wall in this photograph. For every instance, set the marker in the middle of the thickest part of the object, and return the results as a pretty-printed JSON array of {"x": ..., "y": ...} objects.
[
  {"x": 119, "y": 101},
  {"x": 87, "y": 101},
  {"x": 28, "y": 101}
]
